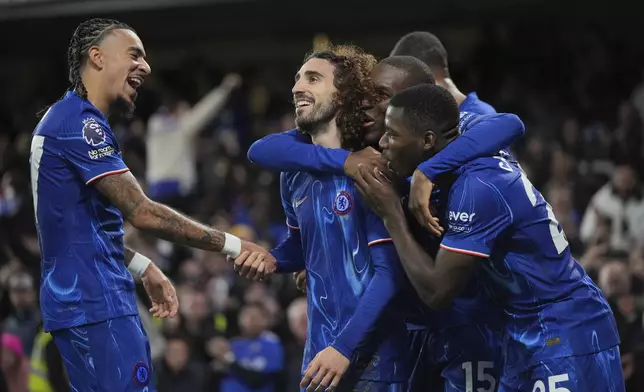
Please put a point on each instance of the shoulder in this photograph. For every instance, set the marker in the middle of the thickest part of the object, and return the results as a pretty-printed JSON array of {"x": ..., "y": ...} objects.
[
  {"x": 489, "y": 176},
  {"x": 292, "y": 179},
  {"x": 271, "y": 338},
  {"x": 298, "y": 135}
]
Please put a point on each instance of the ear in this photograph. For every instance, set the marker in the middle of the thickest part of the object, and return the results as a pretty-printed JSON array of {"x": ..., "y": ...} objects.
[
  {"x": 429, "y": 140},
  {"x": 95, "y": 57}
]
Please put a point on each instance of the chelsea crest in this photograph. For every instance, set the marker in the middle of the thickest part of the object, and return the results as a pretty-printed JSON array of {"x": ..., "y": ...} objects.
[{"x": 343, "y": 203}]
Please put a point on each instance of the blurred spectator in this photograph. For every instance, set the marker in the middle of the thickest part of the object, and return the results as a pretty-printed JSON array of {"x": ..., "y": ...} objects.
[
  {"x": 626, "y": 144},
  {"x": 572, "y": 95},
  {"x": 176, "y": 371},
  {"x": 621, "y": 202},
  {"x": 297, "y": 322},
  {"x": 615, "y": 282},
  {"x": 24, "y": 320},
  {"x": 15, "y": 365},
  {"x": 172, "y": 142},
  {"x": 197, "y": 320},
  {"x": 47, "y": 373},
  {"x": 255, "y": 360}
]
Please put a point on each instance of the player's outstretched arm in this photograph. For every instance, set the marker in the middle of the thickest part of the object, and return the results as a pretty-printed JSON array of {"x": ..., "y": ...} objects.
[
  {"x": 291, "y": 151},
  {"x": 288, "y": 256},
  {"x": 126, "y": 194},
  {"x": 482, "y": 136}
]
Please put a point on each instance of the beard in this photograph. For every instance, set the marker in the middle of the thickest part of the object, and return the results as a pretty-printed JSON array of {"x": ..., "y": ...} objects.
[
  {"x": 320, "y": 114},
  {"x": 122, "y": 109}
]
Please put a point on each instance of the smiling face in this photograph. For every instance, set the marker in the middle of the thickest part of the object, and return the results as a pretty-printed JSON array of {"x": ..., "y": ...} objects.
[
  {"x": 120, "y": 59},
  {"x": 314, "y": 94}
]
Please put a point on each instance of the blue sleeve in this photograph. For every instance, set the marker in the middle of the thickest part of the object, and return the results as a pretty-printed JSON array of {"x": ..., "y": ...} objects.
[
  {"x": 478, "y": 216},
  {"x": 91, "y": 149},
  {"x": 385, "y": 284},
  {"x": 484, "y": 136},
  {"x": 292, "y": 151},
  {"x": 289, "y": 253}
]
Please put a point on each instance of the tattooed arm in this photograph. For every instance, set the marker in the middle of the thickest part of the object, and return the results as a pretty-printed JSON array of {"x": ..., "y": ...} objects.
[{"x": 162, "y": 221}]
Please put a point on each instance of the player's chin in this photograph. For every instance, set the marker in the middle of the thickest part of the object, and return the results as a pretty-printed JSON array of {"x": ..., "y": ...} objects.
[
  {"x": 125, "y": 106},
  {"x": 400, "y": 170}
]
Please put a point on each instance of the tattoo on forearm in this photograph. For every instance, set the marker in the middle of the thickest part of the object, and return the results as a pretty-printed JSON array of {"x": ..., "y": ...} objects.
[
  {"x": 172, "y": 226},
  {"x": 124, "y": 191}
]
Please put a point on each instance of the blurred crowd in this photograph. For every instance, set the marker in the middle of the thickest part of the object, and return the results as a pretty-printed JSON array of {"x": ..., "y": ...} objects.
[{"x": 582, "y": 100}]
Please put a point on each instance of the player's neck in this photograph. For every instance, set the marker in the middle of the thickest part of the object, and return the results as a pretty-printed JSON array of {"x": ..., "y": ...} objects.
[
  {"x": 328, "y": 135},
  {"x": 450, "y": 86},
  {"x": 96, "y": 98}
]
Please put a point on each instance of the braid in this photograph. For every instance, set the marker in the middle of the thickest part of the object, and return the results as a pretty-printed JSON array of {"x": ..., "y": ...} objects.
[{"x": 88, "y": 33}]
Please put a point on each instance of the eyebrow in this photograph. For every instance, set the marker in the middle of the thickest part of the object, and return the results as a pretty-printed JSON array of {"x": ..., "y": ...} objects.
[
  {"x": 309, "y": 74},
  {"x": 139, "y": 52}
]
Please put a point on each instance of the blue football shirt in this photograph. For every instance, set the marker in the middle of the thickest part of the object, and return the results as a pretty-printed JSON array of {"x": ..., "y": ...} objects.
[
  {"x": 263, "y": 354},
  {"x": 473, "y": 104},
  {"x": 352, "y": 287},
  {"x": 84, "y": 279},
  {"x": 552, "y": 307}
]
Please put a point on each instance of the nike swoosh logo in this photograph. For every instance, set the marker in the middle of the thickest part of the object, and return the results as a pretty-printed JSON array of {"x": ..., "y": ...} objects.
[{"x": 299, "y": 202}]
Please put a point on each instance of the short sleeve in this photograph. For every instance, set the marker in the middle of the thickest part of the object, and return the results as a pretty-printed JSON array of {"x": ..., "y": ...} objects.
[
  {"x": 291, "y": 218},
  {"x": 92, "y": 150},
  {"x": 477, "y": 215}
]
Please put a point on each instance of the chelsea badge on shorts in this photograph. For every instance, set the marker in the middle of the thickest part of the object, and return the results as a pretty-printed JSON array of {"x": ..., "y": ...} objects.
[
  {"x": 141, "y": 374},
  {"x": 343, "y": 203}
]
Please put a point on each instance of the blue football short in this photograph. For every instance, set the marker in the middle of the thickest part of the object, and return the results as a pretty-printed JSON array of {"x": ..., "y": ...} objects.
[
  {"x": 598, "y": 372},
  {"x": 111, "y": 356}
]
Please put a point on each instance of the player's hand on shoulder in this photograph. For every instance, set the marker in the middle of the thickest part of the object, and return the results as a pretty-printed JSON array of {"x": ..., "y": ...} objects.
[
  {"x": 420, "y": 195},
  {"x": 161, "y": 292},
  {"x": 300, "y": 280},
  {"x": 378, "y": 191},
  {"x": 325, "y": 371},
  {"x": 367, "y": 157}
]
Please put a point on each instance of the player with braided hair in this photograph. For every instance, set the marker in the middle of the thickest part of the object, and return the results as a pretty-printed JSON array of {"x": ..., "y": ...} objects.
[{"x": 82, "y": 191}]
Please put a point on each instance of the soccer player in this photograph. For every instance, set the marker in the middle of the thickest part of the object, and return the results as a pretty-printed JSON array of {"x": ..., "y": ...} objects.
[
  {"x": 560, "y": 334},
  {"x": 471, "y": 314},
  {"x": 353, "y": 277},
  {"x": 82, "y": 190},
  {"x": 429, "y": 49}
]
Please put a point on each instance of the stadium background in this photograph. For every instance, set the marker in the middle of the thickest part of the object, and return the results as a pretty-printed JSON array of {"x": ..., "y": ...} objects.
[{"x": 574, "y": 75}]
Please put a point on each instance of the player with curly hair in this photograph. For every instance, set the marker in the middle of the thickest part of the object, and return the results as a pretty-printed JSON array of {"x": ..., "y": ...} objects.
[
  {"x": 356, "y": 336},
  {"x": 82, "y": 191},
  {"x": 351, "y": 81}
]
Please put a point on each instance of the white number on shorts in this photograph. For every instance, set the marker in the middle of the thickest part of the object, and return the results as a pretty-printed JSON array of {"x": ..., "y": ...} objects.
[
  {"x": 539, "y": 386},
  {"x": 558, "y": 237},
  {"x": 482, "y": 376}
]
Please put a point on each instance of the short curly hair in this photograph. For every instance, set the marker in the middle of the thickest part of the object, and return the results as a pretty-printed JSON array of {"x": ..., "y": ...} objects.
[{"x": 352, "y": 79}]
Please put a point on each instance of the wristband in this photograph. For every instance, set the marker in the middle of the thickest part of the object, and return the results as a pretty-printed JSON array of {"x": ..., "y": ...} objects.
[
  {"x": 232, "y": 246},
  {"x": 138, "y": 264}
]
